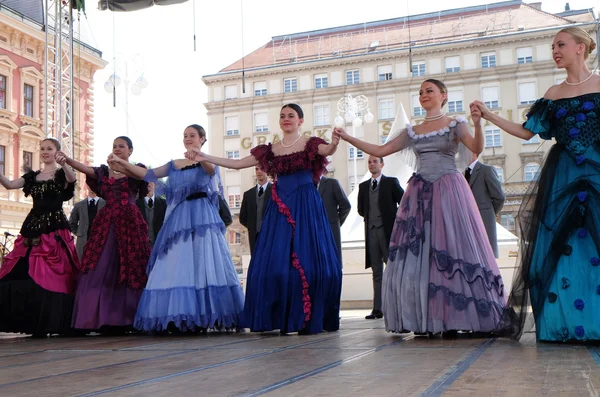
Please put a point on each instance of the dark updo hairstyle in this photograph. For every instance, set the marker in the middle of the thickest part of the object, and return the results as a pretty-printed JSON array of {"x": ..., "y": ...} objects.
[
  {"x": 127, "y": 141},
  {"x": 441, "y": 86},
  {"x": 53, "y": 140},
  {"x": 200, "y": 130},
  {"x": 296, "y": 109}
]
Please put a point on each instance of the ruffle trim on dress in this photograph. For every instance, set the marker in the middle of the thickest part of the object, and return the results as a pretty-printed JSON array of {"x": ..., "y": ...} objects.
[
  {"x": 440, "y": 132},
  {"x": 460, "y": 301},
  {"x": 449, "y": 266},
  {"x": 212, "y": 307},
  {"x": 197, "y": 230}
]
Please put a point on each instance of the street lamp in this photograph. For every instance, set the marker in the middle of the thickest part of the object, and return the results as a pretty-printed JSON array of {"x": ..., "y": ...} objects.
[
  {"x": 124, "y": 66},
  {"x": 352, "y": 110}
]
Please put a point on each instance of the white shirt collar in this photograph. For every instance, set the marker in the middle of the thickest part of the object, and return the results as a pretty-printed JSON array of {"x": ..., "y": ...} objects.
[
  {"x": 473, "y": 164},
  {"x": 147, "y": 198},
  {"x": 258, "y": 186},
  {"x": 90, "y": 199},
  {"x": 378, "y": 179}
]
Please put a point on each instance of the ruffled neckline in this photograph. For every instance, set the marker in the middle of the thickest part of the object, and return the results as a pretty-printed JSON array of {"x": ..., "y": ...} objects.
[
  {"x": 569, "y": 98},
  {"x": 439, "y": 132}
]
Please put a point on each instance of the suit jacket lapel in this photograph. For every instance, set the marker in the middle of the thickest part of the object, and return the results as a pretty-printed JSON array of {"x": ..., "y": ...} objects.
[
  {"x": 474, "y": 173},
  {"x": 322, "y": 185}
]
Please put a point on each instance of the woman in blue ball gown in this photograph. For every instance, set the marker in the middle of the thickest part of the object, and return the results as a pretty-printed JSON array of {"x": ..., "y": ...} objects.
[
  {"x": 295, "y": 276},
  {"x": 192, "y": 283},
  {"x": 559, "y": 276}
]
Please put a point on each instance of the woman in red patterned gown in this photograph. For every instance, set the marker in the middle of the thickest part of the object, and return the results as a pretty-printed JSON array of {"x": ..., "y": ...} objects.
[{"x": 117, "y": 251}]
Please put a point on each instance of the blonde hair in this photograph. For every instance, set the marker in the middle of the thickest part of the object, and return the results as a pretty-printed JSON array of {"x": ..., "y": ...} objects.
[{"x": 581, "y": 37}]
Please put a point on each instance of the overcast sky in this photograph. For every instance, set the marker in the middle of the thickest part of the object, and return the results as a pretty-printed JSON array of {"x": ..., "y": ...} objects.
[{"x": 163, "y": 36}]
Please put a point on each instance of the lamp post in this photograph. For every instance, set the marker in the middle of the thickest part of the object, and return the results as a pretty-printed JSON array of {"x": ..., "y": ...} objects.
[
  {"x": 352, "y": 110},
  {"x": 124, "y": 66}
]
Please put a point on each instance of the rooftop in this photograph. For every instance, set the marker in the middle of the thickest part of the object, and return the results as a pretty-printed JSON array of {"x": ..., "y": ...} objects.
[{"x": 392, "y": 34}]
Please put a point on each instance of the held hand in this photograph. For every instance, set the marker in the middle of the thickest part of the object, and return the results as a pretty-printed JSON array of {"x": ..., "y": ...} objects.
[
  {"x": 475, "y": 115},
  {"x": 195, "y": 155},
  {"x": 335, "y": 139},
  {"x": 60, "y": 158},
  {"x": 484, "y": 112},
  {"x": 116, "y": 163},
  {"x": 340, "y": 133}
]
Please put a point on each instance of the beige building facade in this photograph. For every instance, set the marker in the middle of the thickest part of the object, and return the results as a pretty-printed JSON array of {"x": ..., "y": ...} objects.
[
  {"x": 498, "y": 53},
  {"x": 23, "y": 106}
]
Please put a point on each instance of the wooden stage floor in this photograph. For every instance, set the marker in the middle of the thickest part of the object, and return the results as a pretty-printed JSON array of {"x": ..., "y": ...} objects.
[{"x": 359, "y": 360}]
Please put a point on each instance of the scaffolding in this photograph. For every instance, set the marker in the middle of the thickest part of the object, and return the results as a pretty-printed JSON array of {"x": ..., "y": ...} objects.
[{"x": 59, "y": 73}]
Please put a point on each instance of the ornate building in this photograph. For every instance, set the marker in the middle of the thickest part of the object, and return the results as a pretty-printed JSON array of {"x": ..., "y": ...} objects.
[
  {"x": 499, "y": 52},
  {"x": 23, "y": 96}
]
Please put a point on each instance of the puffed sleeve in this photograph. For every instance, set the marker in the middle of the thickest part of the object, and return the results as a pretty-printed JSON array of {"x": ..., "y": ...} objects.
[
  {"x": 318, "y": 162},
  {"x": 538, "y": 118},
  {"x": 29, "y": 178},
  {"x": 262, "y": 153},
  {"x": 95, "y": 184},
  {"x": 68, "y": 187}
]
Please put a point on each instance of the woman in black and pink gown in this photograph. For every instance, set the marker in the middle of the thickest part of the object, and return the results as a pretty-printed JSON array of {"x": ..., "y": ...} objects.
[{"x": 38, "y": 277}]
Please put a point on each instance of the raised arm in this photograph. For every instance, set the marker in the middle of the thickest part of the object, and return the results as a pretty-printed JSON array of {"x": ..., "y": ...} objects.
[
  {"x": 8, "y": 184},
  {"x": 393, "y": 146},
  {"x": 197, "y": 155},
  {"x": 473, "y": 143},
  {"x": 69, "y": 174},
  {"x": 329, "y": 149},
  {"x": 62, "y": 158},
  {"x": 133, "y": 170},
  {"x": 514, "y": 129}
]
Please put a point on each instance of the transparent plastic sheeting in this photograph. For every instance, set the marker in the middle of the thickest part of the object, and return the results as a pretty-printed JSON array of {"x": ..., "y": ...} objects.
[{"x": 134, "y": 5}]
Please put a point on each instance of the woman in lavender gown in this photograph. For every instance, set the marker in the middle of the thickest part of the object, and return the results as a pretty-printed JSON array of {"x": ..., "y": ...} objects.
[
  {"x": 441, "y": 274},
  {"x": 117, "y": 251}
]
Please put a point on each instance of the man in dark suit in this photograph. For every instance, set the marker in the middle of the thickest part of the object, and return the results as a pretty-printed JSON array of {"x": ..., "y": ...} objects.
[
  {"x": 378, "y": 200},
  {"x": 254, "y": 204},
  {"x": 81, "y": 219},
  {"x": 153, "y": 208},
  {"x": 337, "y": 207},
  {"x": 489, "y": 196}
]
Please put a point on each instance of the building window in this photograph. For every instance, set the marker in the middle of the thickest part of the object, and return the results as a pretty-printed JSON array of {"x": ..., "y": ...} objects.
[
  {"x": 321, "y": 81},
  {"x": 417, "y": 109},
  {"x": 355, "y": 152},
  {"x": 28, "y": 99},
  {"x": 455, "y": 101},
  {"x": 2, "y": 92},
  {"x": 261, "y": 123},
  {"x": 290, "y": 85},
  {"x": 27, "y": 159},
  {"x": 493, "y": 137},
  {"x": 507, "y": 221},
  {"x": 231, "y": 91},
  {"x": 534, "y": 139},
  {"x": 418, "y": 69},
  {"x": 232, "y": 126},
  {"x": 2, "y": 160},
  {"x": 352, "y": 77},
  {"x": 526, "y": 93},
  {"x": 386, "y": 109},
  {"x": 383, "y": 139},
  {"x": 321, "y": 115},
  {"x": 524, "y": 55},
  {"x": 234, "y": 197},
  {"x": 235, "y": 237},
  {"x": 232, "y": 154},
  {"x": 531, "y": 172},
  {"x": 452, "y": 64},
  {"x": 260, "y": 88},
  {"x": 384, "y": 72},
  {"x": 500, "y": 172},
  {"x": 489, "y": 96},
  {"x": 488, "y": 60}
]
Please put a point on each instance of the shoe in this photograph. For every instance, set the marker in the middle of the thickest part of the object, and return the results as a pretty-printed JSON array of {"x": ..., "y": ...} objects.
[{"x": 374, "y": 314}]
